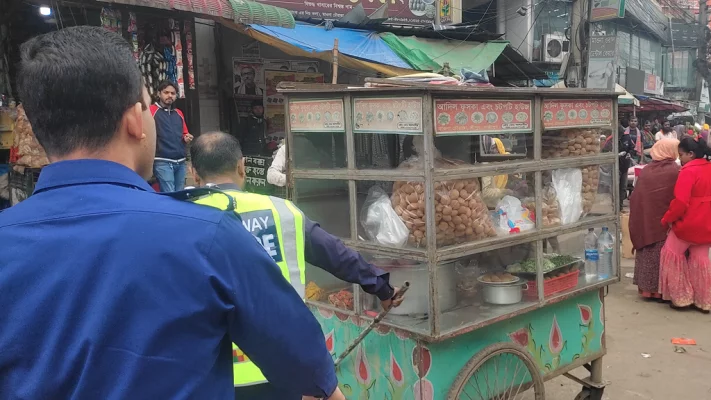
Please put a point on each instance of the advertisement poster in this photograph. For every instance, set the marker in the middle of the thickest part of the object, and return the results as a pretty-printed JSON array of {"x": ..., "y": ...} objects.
[
  {"x": 274, "y": 105},
  {"x": 602, "y": 72},
  {"x": 400, "y": 12},
  {"x": 277, "y": 65},
  {"x": 304, "y": 66},
  {"x": 273, "y": 78},
  {"x": 482, "y": 116},
  {"x": 607, "y": 9},
  {"x": 248, "y": 78},
  {"x": 316, "y": 115},
  {"x": 251, "y": 50},
  {"x": 558, "y": 114},
  {"x": 388, "y": 115}
]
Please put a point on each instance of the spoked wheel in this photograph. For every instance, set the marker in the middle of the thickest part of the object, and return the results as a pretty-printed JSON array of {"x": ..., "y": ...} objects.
[{"x": 501, "y": 371}]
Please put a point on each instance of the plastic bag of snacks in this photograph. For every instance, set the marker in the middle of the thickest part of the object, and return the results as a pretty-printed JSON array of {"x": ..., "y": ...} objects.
[
  {"x": 380, "y": 221},
  {"x": 460, "y": 213}
]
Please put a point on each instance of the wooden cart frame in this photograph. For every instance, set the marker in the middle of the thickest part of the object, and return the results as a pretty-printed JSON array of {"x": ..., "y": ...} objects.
[{"x": 431, "y": 254}]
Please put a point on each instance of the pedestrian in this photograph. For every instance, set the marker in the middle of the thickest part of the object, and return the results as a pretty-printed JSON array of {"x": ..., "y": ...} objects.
[
  {"x": 683, "y": 280},
  {"x": 169, "y": 166},
  {"x": 276, "y": 174},
  {"x": 665, "y": 132},
  {"x": 253, "y": 138},
  {"x": 287, "y": 235},
  {"x": 111, "y": 291},
  {"x": 627, "y": 151},
  {"x": 649, "y": 201}
]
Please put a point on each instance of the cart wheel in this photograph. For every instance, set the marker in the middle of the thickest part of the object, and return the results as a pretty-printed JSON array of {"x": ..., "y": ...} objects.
[
  {"x": 583, "y": 395},
  {"x": 501, "y": 371}
]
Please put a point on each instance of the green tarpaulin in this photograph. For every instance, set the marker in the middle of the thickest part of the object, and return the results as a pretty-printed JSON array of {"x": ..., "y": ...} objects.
[{"x": 431, "y": 54}]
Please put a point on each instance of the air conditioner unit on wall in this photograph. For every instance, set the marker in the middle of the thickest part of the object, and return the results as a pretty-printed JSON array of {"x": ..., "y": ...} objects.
[{"x": 555, "y": 47}]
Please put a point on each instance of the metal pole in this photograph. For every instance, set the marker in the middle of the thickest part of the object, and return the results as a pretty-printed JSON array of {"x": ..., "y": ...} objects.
[
  {"x": 587, "y": 42},
  {"x": 701, "y": 54}
]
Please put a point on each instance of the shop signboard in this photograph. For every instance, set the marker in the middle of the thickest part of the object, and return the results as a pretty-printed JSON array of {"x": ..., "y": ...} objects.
[
  {"x": 601, "y": 60},
  {"x": 575, "y": 113},
  {"x": 473, "y": 117},
  {"x": 316, "y": 115},
  {"x": 400, "y": 12},
  {"x": 607, "y": 9},
  {"x": 653, "y": 84},
  {"x": 388, "y": 115},
  {"x": 256, "y": 174}
]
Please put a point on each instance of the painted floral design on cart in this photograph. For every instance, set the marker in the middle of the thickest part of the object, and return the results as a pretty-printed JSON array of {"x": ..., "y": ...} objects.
[
  {"x": 587, "y": 328},
  {"x": 329, "y": 342},
  {"x": 556, "y": 344},
  {"x": 363, "y": 375},
  {"x": 396, "y": 379},
  {"x": 524, "y": 338},
  {"x": 421, "y": 363}
]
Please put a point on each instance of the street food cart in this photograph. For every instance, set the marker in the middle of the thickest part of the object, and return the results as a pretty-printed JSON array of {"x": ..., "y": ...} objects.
[{"x": 481, "y": 199}]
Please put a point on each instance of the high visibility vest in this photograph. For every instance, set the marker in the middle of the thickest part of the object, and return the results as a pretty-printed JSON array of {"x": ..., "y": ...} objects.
[{"x": 279, "y": 227}]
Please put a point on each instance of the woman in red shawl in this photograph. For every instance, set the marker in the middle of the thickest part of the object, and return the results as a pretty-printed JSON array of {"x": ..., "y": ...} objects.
[
  {"x": 652, "y": 194},
  {"x": 686, "y": 282}
]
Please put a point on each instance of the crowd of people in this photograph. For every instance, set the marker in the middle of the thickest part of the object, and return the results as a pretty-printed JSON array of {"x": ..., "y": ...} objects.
[{"x": 669, "y": 213}]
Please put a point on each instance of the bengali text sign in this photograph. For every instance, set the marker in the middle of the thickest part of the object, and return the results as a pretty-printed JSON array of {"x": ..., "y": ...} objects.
[
  {"x": 316, "y": 115},
  {"x": 482, "y": 116},
  {"x": 576, "y": 113},
  {"x": 388, "y": 115}
]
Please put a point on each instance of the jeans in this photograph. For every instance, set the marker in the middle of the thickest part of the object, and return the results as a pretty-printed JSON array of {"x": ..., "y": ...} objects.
[{"x": 170, "y": 175}]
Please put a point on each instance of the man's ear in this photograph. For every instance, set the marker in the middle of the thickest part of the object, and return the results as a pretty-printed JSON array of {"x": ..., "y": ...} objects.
[
  {"x": 133, "y": 118},
  {"x": 241, "y": 170}
]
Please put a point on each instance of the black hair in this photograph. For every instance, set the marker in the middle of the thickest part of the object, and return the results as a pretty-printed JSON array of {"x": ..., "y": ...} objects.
[
  {"x": 257, "y": 103},
  {"x": 215, "y": 153},
  {"x": 700, "y": 149},
  {"x": 167, "y": 83},
  {"x": 76, "y": 84}
]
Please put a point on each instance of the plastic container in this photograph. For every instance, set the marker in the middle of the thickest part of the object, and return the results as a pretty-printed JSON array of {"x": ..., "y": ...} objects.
[
  {"x": 592, "y": 256},
  {"x": 605, "y": 245},
  {"x": 552, "y": 286},
  {"x": 417, "y": 299}
]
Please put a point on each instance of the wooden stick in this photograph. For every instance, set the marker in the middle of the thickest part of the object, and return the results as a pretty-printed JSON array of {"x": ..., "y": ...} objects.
[
  {"x": 334, "y": 78},
  {"x": 370, "y": 327}
]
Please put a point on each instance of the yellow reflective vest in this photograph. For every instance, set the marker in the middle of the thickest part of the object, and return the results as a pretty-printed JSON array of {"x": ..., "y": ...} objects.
[{"x": 279, "y": 227}]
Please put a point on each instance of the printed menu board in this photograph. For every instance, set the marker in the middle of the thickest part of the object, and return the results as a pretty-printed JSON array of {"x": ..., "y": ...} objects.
[
  {"x": 558, "y": 114},
  {"x": 256, "y": 172},
  {"x": 482, "y": 116},
  {"x": 388, "y": 115},
  {"x": 316, "y": 115}
]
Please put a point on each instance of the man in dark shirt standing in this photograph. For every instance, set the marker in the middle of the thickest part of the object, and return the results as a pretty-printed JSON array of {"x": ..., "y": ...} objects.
[
  {"x": 253, "y": 137},
  {"x": 169, "y": 166}
]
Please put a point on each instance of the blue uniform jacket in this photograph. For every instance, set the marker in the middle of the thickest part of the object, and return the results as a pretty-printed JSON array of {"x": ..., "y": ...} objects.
[{"x": 111, "y": 291}]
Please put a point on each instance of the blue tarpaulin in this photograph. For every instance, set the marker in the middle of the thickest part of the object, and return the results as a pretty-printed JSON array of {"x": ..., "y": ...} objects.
[{"x": 359, "y": 44}]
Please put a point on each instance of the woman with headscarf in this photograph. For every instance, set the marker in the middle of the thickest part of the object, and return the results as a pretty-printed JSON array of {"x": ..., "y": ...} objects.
[
  {"x": 651, "y": 197},
  {"x": 687, "y": 280}
]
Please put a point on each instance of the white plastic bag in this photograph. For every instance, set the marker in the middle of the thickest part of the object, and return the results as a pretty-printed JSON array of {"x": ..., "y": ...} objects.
[
  {"x": 513, "y": 217},
  {"x": 381, "y": 222},
  {"x": 568, "y": 184}
]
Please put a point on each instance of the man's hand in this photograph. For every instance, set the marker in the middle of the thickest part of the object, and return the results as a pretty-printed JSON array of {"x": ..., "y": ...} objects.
[
  {"x": 393, "y": 301},
  {"x": 187, "y": 138},
  {"x": 337, "y": 395}
]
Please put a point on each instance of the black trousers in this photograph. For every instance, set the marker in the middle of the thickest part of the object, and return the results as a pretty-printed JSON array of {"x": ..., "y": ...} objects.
[{"x": 263, "y": 391}]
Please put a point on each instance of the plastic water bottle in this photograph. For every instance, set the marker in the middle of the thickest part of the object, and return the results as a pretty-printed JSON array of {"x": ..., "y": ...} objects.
[
  {"x": 605, "y": 244},
  {"x": 591, "y": 255}
]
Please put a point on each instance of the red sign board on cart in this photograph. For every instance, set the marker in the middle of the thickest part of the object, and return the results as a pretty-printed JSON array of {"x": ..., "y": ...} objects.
[
  {"x": 568, "y": 113},
  {"x": 453, "y": 117}
]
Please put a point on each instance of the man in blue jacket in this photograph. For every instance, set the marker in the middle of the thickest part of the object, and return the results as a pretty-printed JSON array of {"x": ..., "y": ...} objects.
[{"x": 111, "y": 291}]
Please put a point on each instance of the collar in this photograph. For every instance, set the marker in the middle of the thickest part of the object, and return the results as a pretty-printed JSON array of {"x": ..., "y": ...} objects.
[
  {"x": 224, "y": 186},
  {"x": 169, "y": 108},
  {"x": 696, "y": 162},
  {"x": 88, "y": 171}
]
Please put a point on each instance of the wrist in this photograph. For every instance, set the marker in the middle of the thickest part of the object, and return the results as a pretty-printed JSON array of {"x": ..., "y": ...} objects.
[{"x": 386, "y": 292}]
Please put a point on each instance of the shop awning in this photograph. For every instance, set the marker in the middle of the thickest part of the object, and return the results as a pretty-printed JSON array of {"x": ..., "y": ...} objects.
[
  {"x": 430, "y": 54},
  {"x": 357, "y": 49},
  {"x": 647, "y": 103},
  {"x": 239, "y": 11}
]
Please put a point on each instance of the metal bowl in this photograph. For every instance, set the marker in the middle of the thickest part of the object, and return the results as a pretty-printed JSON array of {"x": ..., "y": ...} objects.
[{"x": 503, "y": 293}]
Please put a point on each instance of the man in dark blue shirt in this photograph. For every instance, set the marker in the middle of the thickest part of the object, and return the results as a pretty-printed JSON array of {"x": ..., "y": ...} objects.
[{"x": 111, "y": 291}]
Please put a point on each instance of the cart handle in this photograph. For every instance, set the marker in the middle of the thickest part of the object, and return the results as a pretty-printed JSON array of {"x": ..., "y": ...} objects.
[{"x": 370, "y": 327}]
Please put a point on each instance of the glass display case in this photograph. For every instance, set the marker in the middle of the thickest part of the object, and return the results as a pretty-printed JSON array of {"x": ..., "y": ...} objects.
[{"x": 487, "y": 201}]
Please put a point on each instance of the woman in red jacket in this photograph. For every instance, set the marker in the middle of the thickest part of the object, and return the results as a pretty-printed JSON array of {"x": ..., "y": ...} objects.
[{"x": 686, "y": 282}]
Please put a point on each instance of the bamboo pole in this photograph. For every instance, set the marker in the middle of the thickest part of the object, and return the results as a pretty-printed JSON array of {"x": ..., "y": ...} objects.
[{"x": 334, "y": 79}]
